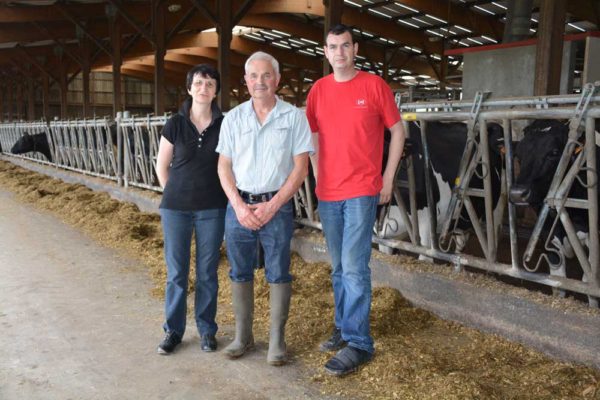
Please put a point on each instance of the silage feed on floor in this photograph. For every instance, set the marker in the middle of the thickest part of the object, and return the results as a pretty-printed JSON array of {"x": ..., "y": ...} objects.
[{"x": 418, "y": 356}]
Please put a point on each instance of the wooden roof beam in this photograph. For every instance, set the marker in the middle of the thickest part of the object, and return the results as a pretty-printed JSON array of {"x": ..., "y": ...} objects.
[
  {"x": 59, "y": 42},
  {"x": 131, "y": 21},
  {"x": 353, "y": 17},
  {"x": 47, "y": 13},
  {"x": 83, "y": 28},
  {"x": 459, "y": 15}
]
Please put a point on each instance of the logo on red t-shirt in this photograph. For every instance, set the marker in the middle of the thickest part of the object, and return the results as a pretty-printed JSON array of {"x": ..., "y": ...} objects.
[{"x": 361, "y": 103}]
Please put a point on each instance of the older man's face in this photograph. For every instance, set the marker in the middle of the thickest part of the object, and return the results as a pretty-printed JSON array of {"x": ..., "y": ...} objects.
[{"x": 261, "y": 79}]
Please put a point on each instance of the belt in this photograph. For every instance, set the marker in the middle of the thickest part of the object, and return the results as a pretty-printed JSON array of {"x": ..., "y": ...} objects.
[{"x": 251, "y": 198}]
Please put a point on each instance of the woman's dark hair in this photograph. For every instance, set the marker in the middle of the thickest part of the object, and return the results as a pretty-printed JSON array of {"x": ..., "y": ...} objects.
[
  {"x": 340, "y": 29},
  {"x": 204, "y": 70}
]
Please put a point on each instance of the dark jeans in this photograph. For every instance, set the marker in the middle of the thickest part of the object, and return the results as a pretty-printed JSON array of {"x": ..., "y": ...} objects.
[
  {"x": 275, "y": 239},
  {"x": 177, "y": 228}
]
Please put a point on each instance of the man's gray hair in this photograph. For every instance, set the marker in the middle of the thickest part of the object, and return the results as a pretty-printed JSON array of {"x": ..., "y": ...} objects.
[{"x": 261, "y": 55}]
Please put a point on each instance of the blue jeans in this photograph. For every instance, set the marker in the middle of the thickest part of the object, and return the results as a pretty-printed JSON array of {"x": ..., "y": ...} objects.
[
  {"x": 275, "y": 239},
  {"x": 348, "y": 229},
  {"x": 177, "y": 229}
]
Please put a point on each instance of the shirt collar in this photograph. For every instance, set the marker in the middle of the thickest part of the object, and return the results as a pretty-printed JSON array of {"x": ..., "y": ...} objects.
[{"x": 281, "y": 107}]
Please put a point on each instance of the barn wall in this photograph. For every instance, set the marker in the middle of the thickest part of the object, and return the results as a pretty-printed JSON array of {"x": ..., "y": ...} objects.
[{"x": 509, "y": 72}]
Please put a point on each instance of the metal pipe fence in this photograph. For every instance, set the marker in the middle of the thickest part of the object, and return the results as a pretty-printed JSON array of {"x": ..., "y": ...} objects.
[
  {"x": 141, "y": 137},
  {"x": 10, "y": 133},
  {"x": 523, "y": 263},
  {"x": 126, "y": 151},
  {"x": 87, "y": 146}
]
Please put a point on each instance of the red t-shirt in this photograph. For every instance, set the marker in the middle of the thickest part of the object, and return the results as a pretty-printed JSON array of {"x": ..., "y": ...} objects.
[{"x": 350, "y": 118}]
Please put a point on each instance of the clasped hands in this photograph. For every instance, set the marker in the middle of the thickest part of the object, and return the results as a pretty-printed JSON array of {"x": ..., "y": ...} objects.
[{"x": 255, "y": 216}]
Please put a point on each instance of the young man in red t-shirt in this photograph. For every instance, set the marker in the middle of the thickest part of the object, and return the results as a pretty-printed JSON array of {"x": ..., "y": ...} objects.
[{"x": 347, "y": 112}]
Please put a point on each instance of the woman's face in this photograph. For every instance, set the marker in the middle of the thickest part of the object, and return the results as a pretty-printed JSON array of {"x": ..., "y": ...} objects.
[{"x": 203, "y": 89}]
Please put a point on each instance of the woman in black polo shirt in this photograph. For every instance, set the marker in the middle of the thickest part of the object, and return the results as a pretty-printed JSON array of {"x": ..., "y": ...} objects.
[{"x": 193, "y": 201}]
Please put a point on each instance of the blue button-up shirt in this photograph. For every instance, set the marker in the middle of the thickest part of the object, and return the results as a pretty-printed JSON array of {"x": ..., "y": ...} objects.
[{"x": 263, "y": 156}]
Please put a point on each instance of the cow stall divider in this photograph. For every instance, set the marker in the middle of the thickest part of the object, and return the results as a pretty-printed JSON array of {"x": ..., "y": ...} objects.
[
  {"x": 582, "y": 110},
  {"x": 86, "y": 146},
  {"x": 11, "y": 132},
  {"x": 141, "y": 138},
  {"x": 125, "y": 150}
]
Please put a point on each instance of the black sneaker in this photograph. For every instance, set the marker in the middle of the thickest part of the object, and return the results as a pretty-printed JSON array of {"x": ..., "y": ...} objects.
[
  {"x": 347, "y": 360},
  {"x": 208, "y": 343},
  {"x": 168, "y": 344},
  {"x": 334, "y": 343}
]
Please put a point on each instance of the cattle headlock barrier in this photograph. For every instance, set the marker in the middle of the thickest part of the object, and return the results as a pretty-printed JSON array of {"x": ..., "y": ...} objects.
[{"x": 124, "y": 150}]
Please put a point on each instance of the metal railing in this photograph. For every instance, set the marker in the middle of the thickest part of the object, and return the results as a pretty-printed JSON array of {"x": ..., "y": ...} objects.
[
  {"x": 93, "y": 147},
  {"x": 87, "y": 146},
  {"x": 581, "y": 111},
  {"x": 11, "y": 132},
  {"x": 141, "y": 137}
]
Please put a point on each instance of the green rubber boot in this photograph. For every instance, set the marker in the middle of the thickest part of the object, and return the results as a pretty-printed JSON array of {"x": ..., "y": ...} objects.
[
  {"x": 280, "y": 307},
  {"x": 243, "y": 310}
]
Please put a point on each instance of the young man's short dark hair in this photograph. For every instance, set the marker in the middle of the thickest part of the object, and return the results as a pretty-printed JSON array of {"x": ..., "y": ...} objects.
[
  {"x": 204, "y": 70},
  {"x": 340, "y": 29}
]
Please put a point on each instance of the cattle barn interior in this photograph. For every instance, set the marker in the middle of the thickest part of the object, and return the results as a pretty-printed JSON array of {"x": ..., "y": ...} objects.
[{"x": 494, "y": 219}]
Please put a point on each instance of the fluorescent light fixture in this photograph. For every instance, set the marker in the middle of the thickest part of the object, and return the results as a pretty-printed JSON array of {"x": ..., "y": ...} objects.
[
  {"x": 434, "y": 33},
  {"x": 489, "y": 38},
  {"x": 576, "y": 27},
  {"x": 309, "y": 41},
  {"x": 462, "y": 28},
  {"x": 408, "y": 23},
  {"x": 406, "y": 7},
  {"x": 380, "y": 13},
  {"x": 278, "y": 44},
  {"x": 436, "y": 18},
  {"x": 475, "y": 41},
  {"x": 484, "y": 10},
  {"x": 281, "y": 33}
]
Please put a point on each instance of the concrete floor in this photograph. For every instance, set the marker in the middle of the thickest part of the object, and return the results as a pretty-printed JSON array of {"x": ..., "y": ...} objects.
[{"x": 77, "y": 322}]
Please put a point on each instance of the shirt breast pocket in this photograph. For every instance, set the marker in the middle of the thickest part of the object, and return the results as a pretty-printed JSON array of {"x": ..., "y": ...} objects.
[{"x": 279, "y": 139}]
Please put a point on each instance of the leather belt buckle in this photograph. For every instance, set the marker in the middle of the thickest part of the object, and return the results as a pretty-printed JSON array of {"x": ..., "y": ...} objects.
[{"x": 251, "y": 198}]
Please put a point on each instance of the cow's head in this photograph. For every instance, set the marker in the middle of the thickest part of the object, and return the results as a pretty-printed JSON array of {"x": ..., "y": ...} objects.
[
  {"x": 23, "y": 145},
  {"x": 538, "y": 153}
]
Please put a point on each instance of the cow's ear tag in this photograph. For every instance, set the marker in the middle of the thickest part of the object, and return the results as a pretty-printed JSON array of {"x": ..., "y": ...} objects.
[
  {"x": 457, "y": 181},
  {"x": 409, "y": 116}
]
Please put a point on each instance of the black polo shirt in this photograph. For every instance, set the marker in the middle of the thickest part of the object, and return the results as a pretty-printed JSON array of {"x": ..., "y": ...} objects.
[{"x": 193, "y": 182}]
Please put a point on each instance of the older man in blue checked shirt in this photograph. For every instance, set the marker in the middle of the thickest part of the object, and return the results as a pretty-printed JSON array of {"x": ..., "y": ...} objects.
[{"x": 264, "y": 146}]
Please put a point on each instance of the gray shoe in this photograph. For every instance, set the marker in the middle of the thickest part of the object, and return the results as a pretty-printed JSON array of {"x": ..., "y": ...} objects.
[
  {"x": 281, "y": 294},
  {"x": 243, "y": 309},
  {"x": 334, "y": 343}
]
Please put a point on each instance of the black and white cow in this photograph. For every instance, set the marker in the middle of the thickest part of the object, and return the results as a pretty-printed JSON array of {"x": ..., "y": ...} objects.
[
  {"x": 32, "y": 143},
  {"x": 539, "y": 153},
  {"x": 446, "y": 143},
  {"x": 39, "y": 143}
]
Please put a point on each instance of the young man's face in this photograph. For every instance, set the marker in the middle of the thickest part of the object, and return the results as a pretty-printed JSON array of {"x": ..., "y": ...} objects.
[{"x": 340, "y": 51}]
